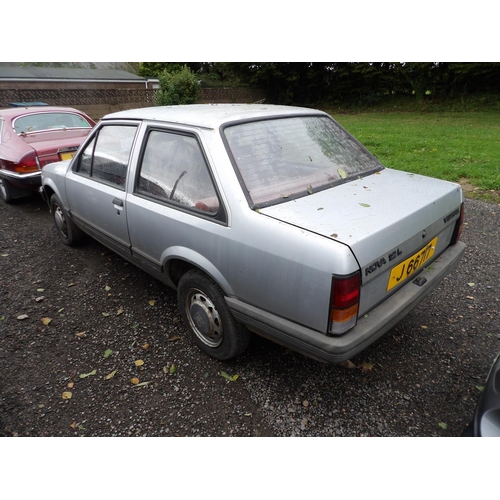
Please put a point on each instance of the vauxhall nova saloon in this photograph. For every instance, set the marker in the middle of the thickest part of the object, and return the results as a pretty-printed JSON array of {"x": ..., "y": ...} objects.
[{"x": 265, "y": 219}]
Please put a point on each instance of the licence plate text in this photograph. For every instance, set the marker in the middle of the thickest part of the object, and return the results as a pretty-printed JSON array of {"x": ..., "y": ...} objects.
[{"x": 406, "y": 268}]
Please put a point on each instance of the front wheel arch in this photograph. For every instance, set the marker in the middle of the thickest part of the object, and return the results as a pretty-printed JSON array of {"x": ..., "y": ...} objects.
[{"x": 67, "y": 230}]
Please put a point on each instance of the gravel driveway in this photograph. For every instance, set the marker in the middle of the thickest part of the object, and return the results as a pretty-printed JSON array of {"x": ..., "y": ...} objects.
[{"x": 93, "y": 323}]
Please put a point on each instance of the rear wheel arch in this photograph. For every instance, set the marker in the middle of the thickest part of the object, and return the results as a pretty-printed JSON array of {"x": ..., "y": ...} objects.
[{"x": 181, "y": 260}]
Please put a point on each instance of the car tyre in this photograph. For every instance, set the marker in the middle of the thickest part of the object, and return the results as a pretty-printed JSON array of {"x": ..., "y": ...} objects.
[
  {"x": 5, "y": 191},
  {"x": 69, "y": 233},
  {"x": 208, "y": 318}
]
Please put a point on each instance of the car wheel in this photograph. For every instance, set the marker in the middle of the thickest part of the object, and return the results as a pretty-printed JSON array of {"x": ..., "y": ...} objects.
[
  {"x": 69, "y": 233},
  {"x": 208, "y": 318},
  {"x": 5, "y": 191}
]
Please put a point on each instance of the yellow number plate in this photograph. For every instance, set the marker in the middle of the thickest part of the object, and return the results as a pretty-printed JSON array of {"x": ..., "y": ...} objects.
[
  {"x": 67, "y": 156},
  {"x": 409, "y": 266}
]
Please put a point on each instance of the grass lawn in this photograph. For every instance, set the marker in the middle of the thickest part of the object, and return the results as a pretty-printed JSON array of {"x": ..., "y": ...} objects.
[{"x": 457, "y": 146}]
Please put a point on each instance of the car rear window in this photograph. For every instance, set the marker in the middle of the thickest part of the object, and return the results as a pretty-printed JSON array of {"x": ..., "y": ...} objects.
[
  {"x": 36, "y": 122},
  {"x": 291, "y": 157}
]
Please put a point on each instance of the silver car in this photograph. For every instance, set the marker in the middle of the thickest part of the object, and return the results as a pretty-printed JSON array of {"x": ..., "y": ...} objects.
[{"x": 265, "y": 219}]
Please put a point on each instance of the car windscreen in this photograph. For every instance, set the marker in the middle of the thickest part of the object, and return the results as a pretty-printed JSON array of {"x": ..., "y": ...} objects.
[
  {"x": 36, "y": 122},
  {"x": 284, "y": 158}
]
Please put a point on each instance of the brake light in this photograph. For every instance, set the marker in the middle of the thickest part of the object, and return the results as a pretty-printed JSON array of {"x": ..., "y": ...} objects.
[
  {"x": 458, "y": 226},
  {"x": 344, "y": 303},
  {"x": 27, "y": 164}
]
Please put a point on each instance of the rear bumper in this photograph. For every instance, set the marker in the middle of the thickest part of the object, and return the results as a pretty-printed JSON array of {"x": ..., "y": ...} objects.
[
  {"x": 31, "y": 181},
  {"x": 368, "y": 329}
]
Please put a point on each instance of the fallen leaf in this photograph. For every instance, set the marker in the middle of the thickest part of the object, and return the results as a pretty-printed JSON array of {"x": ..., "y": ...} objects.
[
  {"x": 480, "y": 388},
  {"x": 342, "y": 173},
  {"x": 107, "y": 288},
  {"x": 71, "y": 284},
  {"x": 364, "y": 205},
  {"x": 151, "y": 302},
  {"x": 71, "y": 385},
  {"x": 310, "y": 189},
  {"x": 105, "y": 314},
  {"x": 334, "y": 235},
  {"x": 40, "y": 289},
  {"x": 172, "y": 369},
  {"x": 67, "y": 395},
  {"x": 85, "y": 375},
  {"x": 366, "y": 367},
  {"x": 231, "y": 378},
  {"x": 120, "y": 311},
  {"x": 5, "y": 255},
  {"x": 73, "y": 425},
  {"x": 348, "y": 364},
  {"x": 39, "y": 299},
  {"x": 423, "y": 327},
  {"x": 145, "y": 346},
  {"x": 138, "y": 362},
  {"x": 471, "y": 284},
  {"x": 134, "y": 380},
  {"x": 46, "y": 321},
  {"x": 110, "y": 375},
  {"x": 107, "y": 353},
  {"x": 80, "y": 334},
  {"x": 174, "y": 338},
  {"x": 22, "y": 316},
  {"x": 443, "y": 425},
  {"x": 320, "y": 208}
]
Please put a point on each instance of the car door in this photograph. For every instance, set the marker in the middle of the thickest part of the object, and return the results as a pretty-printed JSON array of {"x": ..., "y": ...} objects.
[
  {"x": 96, "y": 185},
  {"x": 174, "y": 202}
]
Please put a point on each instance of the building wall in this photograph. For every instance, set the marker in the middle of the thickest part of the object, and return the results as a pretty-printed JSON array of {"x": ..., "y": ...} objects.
[{"x": 100, "y": 98}]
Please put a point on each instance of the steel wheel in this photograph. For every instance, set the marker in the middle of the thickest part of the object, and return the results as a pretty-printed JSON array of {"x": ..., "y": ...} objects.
[
  {"x": 69, "y": 233},
  {"x": 208, "y": 318},
  {"x": 60, "y": 221},
  {"x": 203, "y": 317}
]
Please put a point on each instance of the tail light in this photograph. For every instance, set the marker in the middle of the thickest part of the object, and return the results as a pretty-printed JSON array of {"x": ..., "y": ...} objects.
[
  {"x": 458, "y": 226},
  {"x": 344, "y": 303},
  {"x": 27, "y": 164}
]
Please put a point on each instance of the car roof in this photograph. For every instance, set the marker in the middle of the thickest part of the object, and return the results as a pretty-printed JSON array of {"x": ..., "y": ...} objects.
[
  {"x": 15, "y": 112},
  {"x": 210, "y": 115}
]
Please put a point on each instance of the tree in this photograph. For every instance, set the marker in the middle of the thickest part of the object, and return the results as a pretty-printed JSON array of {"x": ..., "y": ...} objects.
[{"x": 180, "y": 87}]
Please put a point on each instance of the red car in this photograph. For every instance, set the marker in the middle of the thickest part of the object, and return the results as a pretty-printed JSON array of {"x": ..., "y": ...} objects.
[{"x": 30, "y": 138}]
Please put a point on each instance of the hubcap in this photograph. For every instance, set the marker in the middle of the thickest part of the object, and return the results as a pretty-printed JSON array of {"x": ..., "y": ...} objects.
[
  {"x": 60, "y": 221},
  {"x": 204, "y": 318}
]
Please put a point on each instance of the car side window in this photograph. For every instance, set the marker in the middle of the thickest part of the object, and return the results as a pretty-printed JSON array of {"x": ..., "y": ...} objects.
[
  {"x": 106, "y": 157},
  {"x": 173, "y": 169}
]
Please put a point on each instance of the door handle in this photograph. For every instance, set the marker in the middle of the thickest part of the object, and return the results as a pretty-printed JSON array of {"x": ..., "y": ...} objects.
[{"x": 118, "y": 202}]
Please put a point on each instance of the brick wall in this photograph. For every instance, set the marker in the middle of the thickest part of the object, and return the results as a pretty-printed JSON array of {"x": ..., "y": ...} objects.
[{"x": 98, "y": 100}]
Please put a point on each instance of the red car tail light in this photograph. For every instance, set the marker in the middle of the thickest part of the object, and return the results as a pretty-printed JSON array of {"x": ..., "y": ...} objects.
[
  {"x": 27, "y": 164},
  {"x": 458, "y": 226},
  {"x": 344, "y": 303}
]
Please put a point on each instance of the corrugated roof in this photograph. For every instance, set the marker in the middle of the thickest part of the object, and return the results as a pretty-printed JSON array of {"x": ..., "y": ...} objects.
[{"x": 46, "y": 73}]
